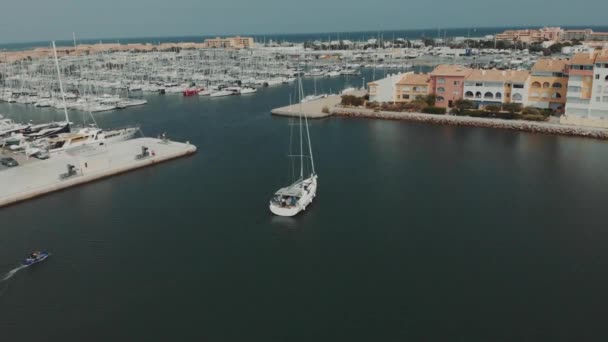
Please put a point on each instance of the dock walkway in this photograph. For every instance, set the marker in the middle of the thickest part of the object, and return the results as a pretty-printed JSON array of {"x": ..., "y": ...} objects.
[
  {"x": 40, "y": 177},
  {"x": 312, "y": 109}
]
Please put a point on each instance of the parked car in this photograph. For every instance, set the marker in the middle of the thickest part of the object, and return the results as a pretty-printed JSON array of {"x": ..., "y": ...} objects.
[
  {"x": 8, "y": 161},
  {"x": 42, "y": 155}
]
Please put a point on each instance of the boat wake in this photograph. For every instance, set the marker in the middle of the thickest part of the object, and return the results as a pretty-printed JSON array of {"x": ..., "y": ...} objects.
[{"x": 12, "y": 272}]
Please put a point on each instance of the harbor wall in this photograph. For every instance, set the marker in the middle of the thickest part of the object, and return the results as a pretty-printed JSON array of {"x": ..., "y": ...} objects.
[{"x": 518, "y": 125}]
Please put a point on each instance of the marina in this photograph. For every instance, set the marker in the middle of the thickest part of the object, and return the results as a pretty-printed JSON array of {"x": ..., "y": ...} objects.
[
  {"x": 402, "y": 211},
  {"x": 232, "y": 189}
]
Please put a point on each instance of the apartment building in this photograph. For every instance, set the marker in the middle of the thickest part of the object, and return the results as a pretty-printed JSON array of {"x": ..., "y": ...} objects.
[
  {"x": 230, "y": 42},
  {"x": 412, "y": 86},
  {"x": 447, "y": 83},
  {"x": 587, "y": 98},
  {"x": 485, "y": 87},
  {"x": 548, "y": 84},
  {"x": 384, "y": 90}
]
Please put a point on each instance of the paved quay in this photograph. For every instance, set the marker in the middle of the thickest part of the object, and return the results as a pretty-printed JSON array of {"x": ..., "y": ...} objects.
[
  {"x": 312, "y": 109},
  {"x": 33, "y": 178}
]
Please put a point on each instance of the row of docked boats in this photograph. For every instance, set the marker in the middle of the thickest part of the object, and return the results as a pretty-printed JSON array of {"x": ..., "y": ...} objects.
[
  {"x": 58, "y": 136},
  {"x": 73, "y": 100},
  {"x": 53, "y": 137},
  {"x": 219, "y": 91}
]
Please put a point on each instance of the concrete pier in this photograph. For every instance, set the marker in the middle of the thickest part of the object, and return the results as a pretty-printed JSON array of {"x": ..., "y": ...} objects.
[
  {"x": 312, "y": 109},
  {"x": 35, "y": 178}
]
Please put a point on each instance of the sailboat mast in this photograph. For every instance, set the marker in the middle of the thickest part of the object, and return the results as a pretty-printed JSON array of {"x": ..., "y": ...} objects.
[
  {"x": 301, "y": 143},
  {"x": 312, "y": 161},
  {"x": 65, "y": 107}
]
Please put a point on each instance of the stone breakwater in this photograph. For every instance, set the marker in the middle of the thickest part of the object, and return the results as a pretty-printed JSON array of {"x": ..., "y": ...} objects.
[{"x": 517, "y": 125}]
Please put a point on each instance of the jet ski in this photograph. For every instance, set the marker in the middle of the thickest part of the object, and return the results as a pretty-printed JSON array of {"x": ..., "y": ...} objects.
[{"x": 35, "y": 258}]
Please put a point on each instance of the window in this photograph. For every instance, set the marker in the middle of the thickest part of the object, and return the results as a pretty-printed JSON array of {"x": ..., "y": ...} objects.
[
  {"x": 469, "y": 94},
  {"x": 556, "y": 96},
  {"x": 544, "y": 95},
  {"x": 406, "y": 88},
  {"x": 498, "y": 96},
  {"x": 597, "y": 76},
  {"x": 606, "y": 79},
  {"x": 405, "y": 97},
  {"x": 518, "y": 86},
  {"x": 605, "y": 99},
  {"x": 441, "y": 80},
  {"x": 517, "y": 97},
  {"x": 536, "y": 85},
  {"x": 557, "y": 85},
  {"x": 440, "y": 99},
  {"x": 441, "y": 90},
  {"x": 546, "y": 85},
  {"x": 455, "y": 92},
  {"x": 488, "y": 95},
  {"x": 479, "y": 84},
  {"x": 478, "y": 95},
  {"x": 456, "y": 83},
  {"x": 534, "y": 94}
]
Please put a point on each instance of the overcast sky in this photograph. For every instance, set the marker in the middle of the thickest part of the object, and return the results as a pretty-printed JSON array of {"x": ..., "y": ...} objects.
[{"x": 43, "y": 20}]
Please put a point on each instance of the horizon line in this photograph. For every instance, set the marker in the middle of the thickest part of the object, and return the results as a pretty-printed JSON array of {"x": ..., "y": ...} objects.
[{"x": 298, "y": 33}]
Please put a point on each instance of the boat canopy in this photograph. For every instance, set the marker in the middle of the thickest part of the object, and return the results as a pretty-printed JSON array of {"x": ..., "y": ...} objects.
[{"x": 292, "y": 190}]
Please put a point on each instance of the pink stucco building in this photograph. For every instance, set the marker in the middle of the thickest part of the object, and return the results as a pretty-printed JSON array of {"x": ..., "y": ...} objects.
[{"x": 447, "y": 83}]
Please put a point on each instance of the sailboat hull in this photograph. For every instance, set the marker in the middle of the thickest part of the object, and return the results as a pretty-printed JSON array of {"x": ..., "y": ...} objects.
[{"x": 309, "y": 191}]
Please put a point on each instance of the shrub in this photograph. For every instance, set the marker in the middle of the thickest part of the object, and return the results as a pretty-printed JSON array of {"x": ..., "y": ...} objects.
[
  {"x": 534, "y": 117},
  {"x": 476, "y": 113},
  {"x": 434, "y": 110},
  {"x": 547, "y": 111},
  {"x": 373, "y": 104},
  {"x": 493, "y": 108},
  {"x": 512, "y": 107},
  {"x": 506, "y": 115},
  {"x": 325, "y": 110},
  {"x": 430, "y": 100},
  {"x": 351, "y": 100},
  {"x": 530, "y": 110},
  {"x": 463, "y": 104}
]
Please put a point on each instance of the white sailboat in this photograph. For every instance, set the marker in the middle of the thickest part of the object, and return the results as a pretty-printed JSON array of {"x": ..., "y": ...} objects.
[{"x": 292, "y": 199}]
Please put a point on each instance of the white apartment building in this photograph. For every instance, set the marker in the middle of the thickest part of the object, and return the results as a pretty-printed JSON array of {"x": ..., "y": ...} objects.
[
  {"x": 486, "y": 87},
  {"x": 384, "y": 90}
]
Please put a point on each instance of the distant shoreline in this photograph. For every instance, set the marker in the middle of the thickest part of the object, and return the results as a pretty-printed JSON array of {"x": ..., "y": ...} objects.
[{"x": 292, "y": 37}]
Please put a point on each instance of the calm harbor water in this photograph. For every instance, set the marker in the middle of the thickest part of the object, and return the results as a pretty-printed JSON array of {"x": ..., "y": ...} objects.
[{"x": 418, "y": 233}]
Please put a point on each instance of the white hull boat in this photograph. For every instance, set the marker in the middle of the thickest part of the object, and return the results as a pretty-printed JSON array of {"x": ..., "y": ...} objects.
[{"x": 294, "y": 199}]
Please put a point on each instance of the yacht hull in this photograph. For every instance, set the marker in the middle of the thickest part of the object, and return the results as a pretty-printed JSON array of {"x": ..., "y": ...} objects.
[{"x": 304, "y": 201}]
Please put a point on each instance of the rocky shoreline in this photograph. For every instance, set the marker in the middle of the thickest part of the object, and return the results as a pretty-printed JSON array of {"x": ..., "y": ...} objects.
[{"x": 517, "y": 125}]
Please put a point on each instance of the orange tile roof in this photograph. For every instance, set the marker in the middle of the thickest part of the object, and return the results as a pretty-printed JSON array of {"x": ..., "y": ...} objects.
[
  {"x": 414, "y": 79},
  {"x": 549, "y": 64},
  {"x": 602, "y": 57},
  {"x": 583, "y": 58},
  {"x": 451, "y": 70},
  {"x": 494, "y": 75}
]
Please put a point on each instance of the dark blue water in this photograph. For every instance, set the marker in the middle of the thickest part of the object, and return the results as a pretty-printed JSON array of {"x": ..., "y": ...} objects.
[
  {"x": 300, "y": 37},
  {"x": 418, "y": 233}
]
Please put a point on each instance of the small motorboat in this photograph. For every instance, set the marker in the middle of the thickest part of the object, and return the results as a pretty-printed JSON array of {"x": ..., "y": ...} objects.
[{"x": 35, "y": 258}]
